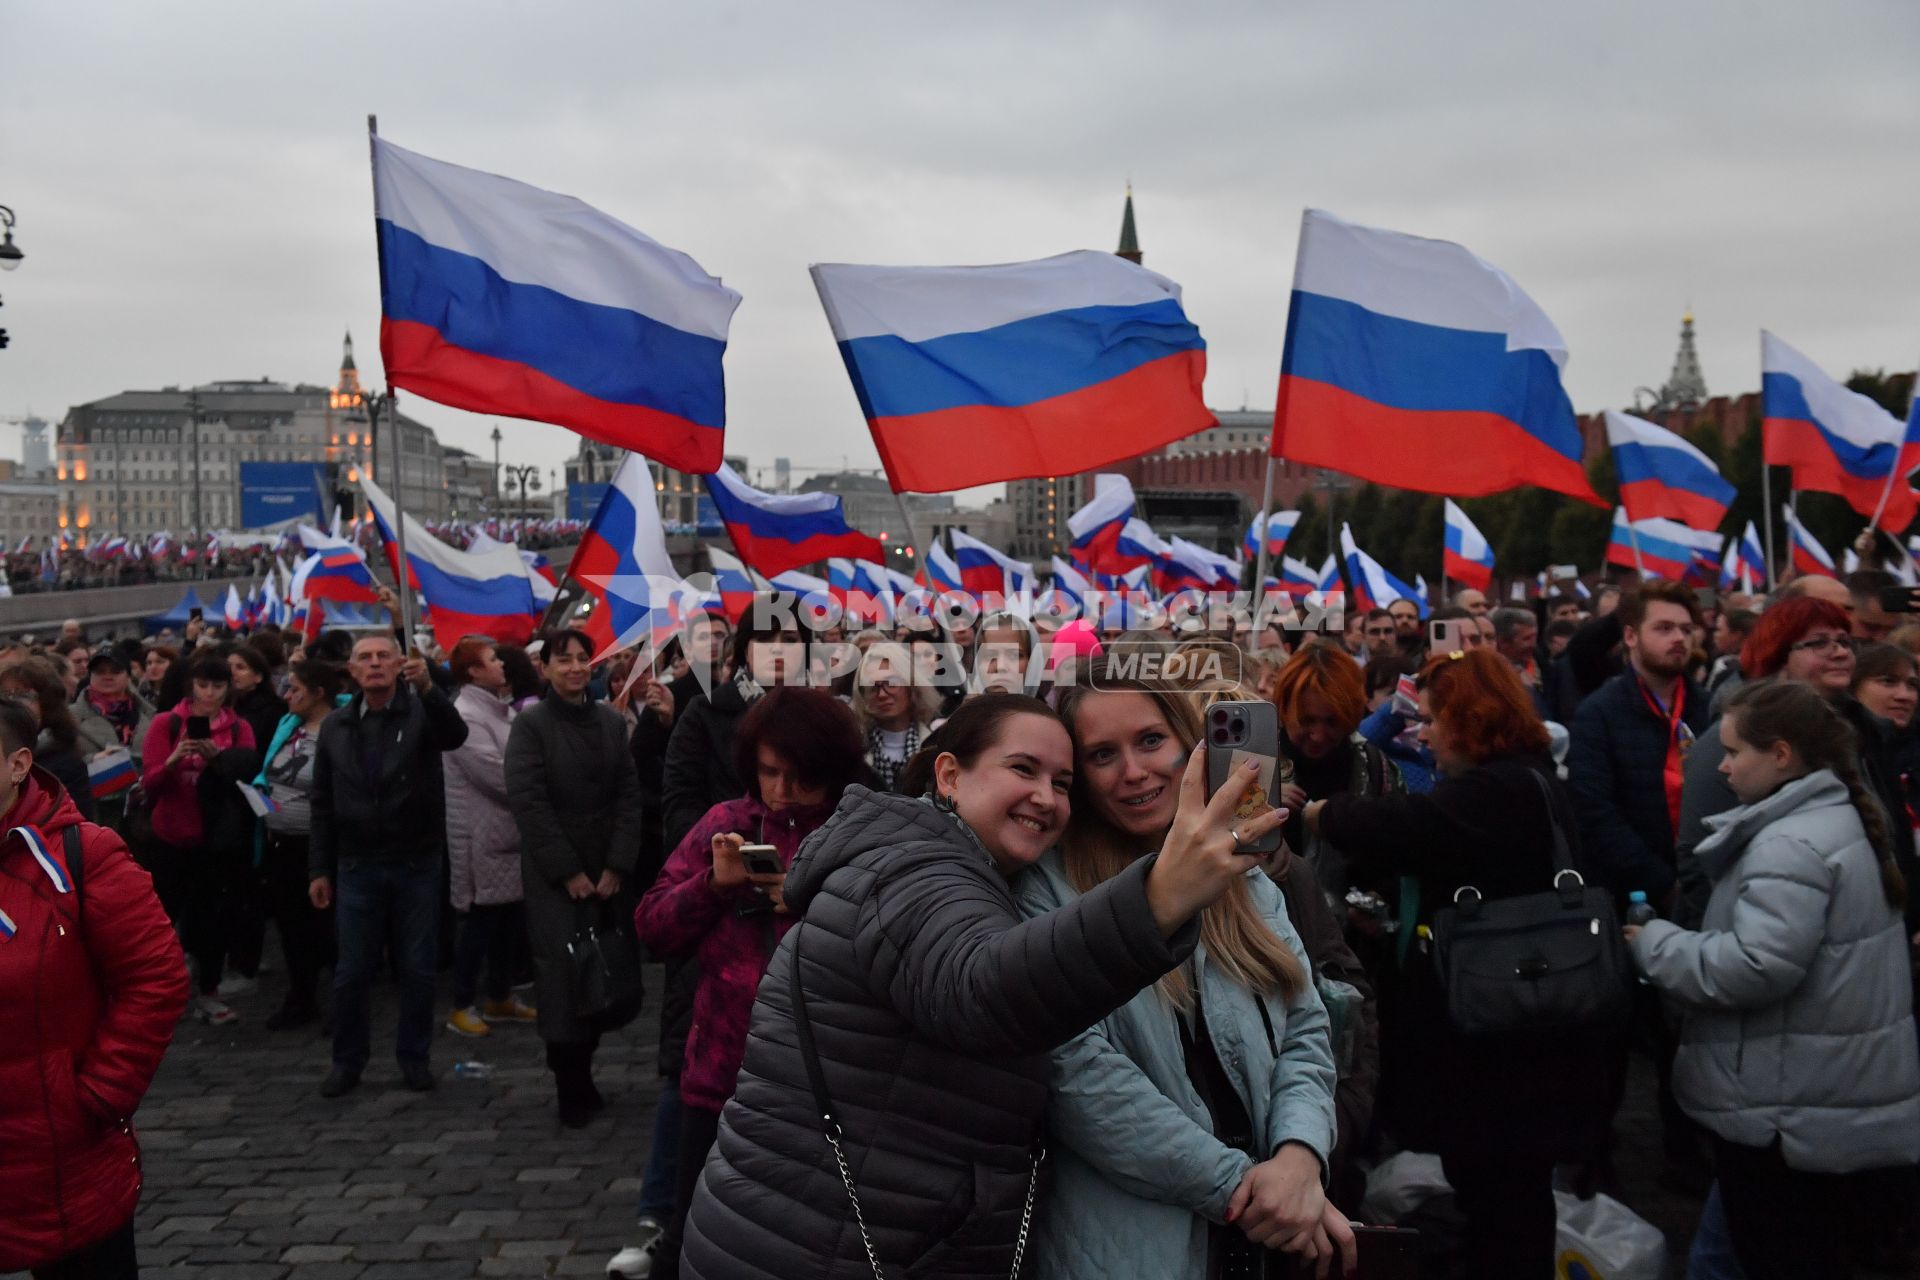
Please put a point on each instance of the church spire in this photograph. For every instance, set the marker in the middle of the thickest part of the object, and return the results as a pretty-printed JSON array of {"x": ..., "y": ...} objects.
[
  {"x": 1129, "y": 238},
  {"x": 346, "y": 353},
  {"x": 1687, "y": 387},
  {"x": 346, "y": 389}
]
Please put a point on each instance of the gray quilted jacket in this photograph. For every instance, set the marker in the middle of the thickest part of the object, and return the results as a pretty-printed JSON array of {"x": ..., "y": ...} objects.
[
  {"x": 934, "y": 1006},
  {"x": 1795, "y": 995}
]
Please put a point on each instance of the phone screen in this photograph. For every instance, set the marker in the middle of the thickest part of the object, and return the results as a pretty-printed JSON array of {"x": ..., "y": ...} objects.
[
  {"x": 199, "y": 727},
  {"x": 762, "y": 859}
]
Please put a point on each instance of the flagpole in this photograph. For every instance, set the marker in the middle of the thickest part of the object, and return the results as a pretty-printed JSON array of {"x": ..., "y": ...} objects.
[
  {"x": 1260, "y": 561},
  {"x": 402, "y": 588},
  {"x": 906, "y": 520},
  {"x": 1633, "y": 536},
  {"x": 1766, "y": 471}
]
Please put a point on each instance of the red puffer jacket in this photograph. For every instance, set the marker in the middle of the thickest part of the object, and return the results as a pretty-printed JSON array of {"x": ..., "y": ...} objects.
[{"x": 88, "y": 1002}]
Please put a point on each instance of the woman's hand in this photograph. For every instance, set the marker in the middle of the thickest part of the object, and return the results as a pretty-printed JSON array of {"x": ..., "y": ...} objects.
[
  {"x": 579, "y": 888},
  {"x": 659, "y": 700},
  {"x": 181, "y": 750},
  {"x": 729, "y": 868},
  {"x": 608, "y": 885},
  {"x": 775, "y": 889},
  {"x": 1280, "y": 1204},
  {"x": 1200, "y": 856}
]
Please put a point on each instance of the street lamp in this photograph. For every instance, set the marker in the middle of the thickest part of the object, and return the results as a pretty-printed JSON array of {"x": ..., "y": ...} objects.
[
  {"x": 496, "y": 463},
  {"x": 527, "y": 477},
  {"x": 9, "y": 254}
]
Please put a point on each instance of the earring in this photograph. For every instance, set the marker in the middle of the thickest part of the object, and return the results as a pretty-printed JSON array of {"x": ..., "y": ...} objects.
[{"x": 944, "y": 803}]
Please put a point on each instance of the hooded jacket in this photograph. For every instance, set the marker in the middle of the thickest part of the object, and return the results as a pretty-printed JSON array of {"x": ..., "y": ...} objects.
[
  {"x": 483, "y": 845},
  {"x": 1796, "y": 997},
  {"x": 174, "y": 789},
  {"x": 91, "y": 986},
  {"x": 933, "y": 1006}
]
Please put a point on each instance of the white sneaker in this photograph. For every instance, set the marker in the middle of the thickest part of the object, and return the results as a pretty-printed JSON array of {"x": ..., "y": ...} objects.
[
  {"x": 211, "y": 1011},
  {"x": 635, "y": 1262},
  {"x": 238, "y": 984}
]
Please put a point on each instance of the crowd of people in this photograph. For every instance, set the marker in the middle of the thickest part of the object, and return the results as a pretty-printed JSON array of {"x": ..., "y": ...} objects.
[{"x": 968, "y": 968}]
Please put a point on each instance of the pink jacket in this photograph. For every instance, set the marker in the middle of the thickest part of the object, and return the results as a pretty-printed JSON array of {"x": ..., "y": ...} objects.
[
  {"x": 174, "y": 789},
  {"x": 680, "y": 915}
]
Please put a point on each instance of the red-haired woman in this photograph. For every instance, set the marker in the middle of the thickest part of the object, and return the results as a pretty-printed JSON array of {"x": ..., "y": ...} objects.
[
  {"x": 1500, "y": 1116},
  {"x": 1322, "y": 698}
]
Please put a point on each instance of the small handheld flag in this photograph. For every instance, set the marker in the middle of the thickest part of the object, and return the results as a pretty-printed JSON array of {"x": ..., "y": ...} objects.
[
  {"x": 1662, "y": 475},
  {"x": 1468, "y": 556}
]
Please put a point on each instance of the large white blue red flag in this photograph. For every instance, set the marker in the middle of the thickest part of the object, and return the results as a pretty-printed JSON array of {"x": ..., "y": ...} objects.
[
  {"x": 502, "y": 298},
  {"x": 1808, "y": 556},
  {"x": 938, "y": 571},
  {"x": 1661, "y": 474},
  {"x": 1274, "y": 528},
  {"x": 985, "y": 568},
  {"x": 1467, "y": 556},
  {"x": 1413, "y": 363},
  {"x": 1138, "y": 547},
  {"x": 775, "y": 532},
  {"x": 466, "y": 594},
  {"x": 1095, "y": 528},
  {"x": 968, "y": 375},
  {"x": 1070, "y": 582},
  {"x": 1659, "y": 547},
  {"x": 339, "y": 573},
  {"x": 1836, "y": 440},
  {"x": 1373, "y": 586},
  {"x": 862, "y": 588},
  {"x": 734, "y": 583},
  {"x": 1297, "y": 577},
  {"x": 622, "y": 562}
]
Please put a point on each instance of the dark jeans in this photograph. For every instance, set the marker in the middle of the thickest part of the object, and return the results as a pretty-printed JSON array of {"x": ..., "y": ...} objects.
[
  {"x": 1785, "y": 1223},
  {"x": 1511, "y": 1221},
  {"x": 306, "y": 935},
  {"x": 486, "y": 934},
  {"x": 206, "y": 892},
  {"x": 109, "y": 1259},
  {"x": 657, "y": 1182},
  {"x": 395, "y": 903},
  {"x": 699, "y": 1128},
  {"x": 167, "y": 864}
]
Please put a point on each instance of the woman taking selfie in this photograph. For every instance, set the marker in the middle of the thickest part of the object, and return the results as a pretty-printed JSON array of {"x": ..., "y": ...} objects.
[
  {"x": 1223, "y": 1071},
  {"x": 1499, "y": 1112},
  {"x": 1797, "y": 1051},
  {"x": 916, "y": 1008}
]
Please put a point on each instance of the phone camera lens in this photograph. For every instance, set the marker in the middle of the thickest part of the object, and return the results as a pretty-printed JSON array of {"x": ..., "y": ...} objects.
[{"x": 1220, "y": 736}]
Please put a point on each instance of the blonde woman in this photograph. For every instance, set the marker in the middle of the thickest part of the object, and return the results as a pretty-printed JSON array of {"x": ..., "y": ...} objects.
[
  {"x": 1201, "y": 1113},
  {"x": 896, "y": 713}
]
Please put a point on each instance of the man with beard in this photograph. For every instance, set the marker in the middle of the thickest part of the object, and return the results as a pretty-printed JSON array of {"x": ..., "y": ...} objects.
[{"x": 1630, "y": 742}]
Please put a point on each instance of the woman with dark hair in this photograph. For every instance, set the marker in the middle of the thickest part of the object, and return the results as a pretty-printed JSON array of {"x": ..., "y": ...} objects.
[
  {"x": 44, "y": 690},
  {"x": 199, "y": 867},
  {"x": 254, "y": 698},
  {"x": 904, "y": 1133},
  {"x": 699, "y": 773},
  {"x": 798, "y": 751},
  {"x": 1500, "y": 1113},
  {"x": 286, "y": 776},
  {"x": 524, "y": 681},
  {"x": 155, "y": 661},
  {"x": 576, "y": 802}
]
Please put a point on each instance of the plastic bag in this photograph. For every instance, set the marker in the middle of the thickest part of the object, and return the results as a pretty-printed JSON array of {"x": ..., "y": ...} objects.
[
  {"x": 1602, "y": 1239},
  {"x": 1402, "y": 1183}
]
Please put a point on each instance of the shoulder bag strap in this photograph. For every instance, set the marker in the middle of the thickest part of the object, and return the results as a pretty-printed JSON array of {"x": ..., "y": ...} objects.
[{"x": 1562, "y": 854}]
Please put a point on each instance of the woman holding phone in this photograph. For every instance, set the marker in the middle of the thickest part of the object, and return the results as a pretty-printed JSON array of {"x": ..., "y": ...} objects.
[
  {"x": 1201, "y": 1113},
  {"x": 718, "y": 900},
  {"x": 916, "y": 1008}
]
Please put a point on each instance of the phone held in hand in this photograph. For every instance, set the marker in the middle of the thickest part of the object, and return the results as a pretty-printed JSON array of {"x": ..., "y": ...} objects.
[
  {"x": 1237, "y": 732},
  {"x": 1449, "y": 635},
  {"x": 199, "y": 728},
  {"x": 762, "y": 860}
]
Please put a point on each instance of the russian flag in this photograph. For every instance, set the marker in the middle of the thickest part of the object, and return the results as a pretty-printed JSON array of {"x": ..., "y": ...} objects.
[
  {"x": 1413, "y": 363},
  {"x": 861, "y": 588},
  {"x": 1468, "y": 556},
  {"x": 1138, "y": 547},
  {"x": 938, "y": 572},
  {"x": 1298, "y": 577},
  {"x": 1277, "y": 528},
  {"x": 340, "y": 572},
  {"x": 1373, "y": 586},
  {"x": 502, "y": 298},
  {"x": 1420, "y": 595},
  {"x": 969, "y": 375},
  {"x": 775, "y": 532},
  {"x": 1070, "y": 583},
  {"x": 51, "y": 857},
  {"x": 111, "y": 773},
  {"x": 466, "y": 593},
  {"x": 734, "y": 583},
  {"x": 622, "y": 562},
  {"x": 1836, "y": 440},
  {"x": 985, "y": 569},
  {"x": 1662, "y": 475},
  {"x": 1096, "y": 527},
  {"x": 1753, "y": 559},
  {"x": 1666, "y": 548},
  {"x": 234, "y": 610},
  {"x": 1181, "y": 570},
  {"x": 1809, "y": 557}
]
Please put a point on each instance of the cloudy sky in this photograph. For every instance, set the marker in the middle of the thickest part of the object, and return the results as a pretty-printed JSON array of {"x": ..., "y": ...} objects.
[{"x": 191, "y": 183}]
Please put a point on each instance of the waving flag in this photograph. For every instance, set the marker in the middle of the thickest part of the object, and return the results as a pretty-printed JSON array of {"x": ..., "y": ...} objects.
[
  {"x": 968, "y": 375},
  {"x": 1809, "y": 557},
  {"x": 985, "y": 569},
  {"x": 1070, "y": 582},
  {"x": 1373, "y": 586},
  {"x": 1277, "y": 527},
  {"x": 1666, "y": 548},
  {"x": 862, "y": 589},
  {"x": 1836, "y": 440},
  {"x": 502, "y": 298},
  {"x": 622, "y": 562},
  {"x": 1138, "y": 547},
  {"x": 938, "y": 572},
  {"x": 1298, "y": 577},
  {"x": 1662, "y": 475},
  {"x": 1413, "y": 363},
  {"x": 341, "y": 571},
  {"x": 734, "y": 582},
  {"x": 1096, "y": 527},
  {"x": 1468, "y": 556},
  {"x": 466, "y": 594},
  {"x": 1420, "y": 595},
  {"x": 234, "y": 610},
  {"x": 775, "y": 532}
]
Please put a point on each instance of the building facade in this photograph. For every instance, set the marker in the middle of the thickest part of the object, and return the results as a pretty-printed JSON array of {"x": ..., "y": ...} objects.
[
  {"x": 145, "y": 461},
  {"x": 27, "y": 509},
  {"x": 871, "y": 507}
]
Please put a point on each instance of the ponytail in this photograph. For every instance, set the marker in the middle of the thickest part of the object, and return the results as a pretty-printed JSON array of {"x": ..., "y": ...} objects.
[{"x": 1787, "y": 711}]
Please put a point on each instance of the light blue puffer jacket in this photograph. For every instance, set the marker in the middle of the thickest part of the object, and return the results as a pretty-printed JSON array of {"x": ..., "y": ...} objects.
[
  {"x": 1796, "y": 999},
  {"x": 1137, "y": 1170}
]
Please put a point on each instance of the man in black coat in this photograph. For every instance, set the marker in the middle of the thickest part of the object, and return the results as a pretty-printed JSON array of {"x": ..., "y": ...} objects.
[
  {"x": 379, "y": 837},
  {"x": 1629, "y": 749}
]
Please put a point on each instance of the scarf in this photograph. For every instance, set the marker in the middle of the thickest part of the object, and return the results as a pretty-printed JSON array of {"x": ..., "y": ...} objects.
[
  {"x": 887, "y": 769},
  {"x": 119, "y": 712}
]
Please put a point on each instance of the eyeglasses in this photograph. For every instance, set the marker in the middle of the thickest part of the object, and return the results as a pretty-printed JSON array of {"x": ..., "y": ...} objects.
[{"x": 1814, "y": 644}]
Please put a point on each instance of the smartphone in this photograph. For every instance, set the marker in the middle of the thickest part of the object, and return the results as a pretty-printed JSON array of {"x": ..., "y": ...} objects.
[
  {"x": 1383, "y": 1253},
  {"x": 762, "y": 860},
  {"x": 1235, "y": 733},
  {"x": 196, "y": 614},
  {"x": 1900, "y": 600},
  {"x": 1449, "y": 635},
  {"x": 199, "y": 728}
]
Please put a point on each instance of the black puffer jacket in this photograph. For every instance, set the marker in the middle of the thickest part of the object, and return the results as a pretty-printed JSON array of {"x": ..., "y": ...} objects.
[
  {"x": 1616, "y": 769},
  {"x": 934, "y": 1007}
]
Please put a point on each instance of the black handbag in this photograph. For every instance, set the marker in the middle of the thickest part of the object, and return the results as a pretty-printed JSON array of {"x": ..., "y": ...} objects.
[
  {"x": 1549, "y": 962},
  {"x": 603, "y": 962}
]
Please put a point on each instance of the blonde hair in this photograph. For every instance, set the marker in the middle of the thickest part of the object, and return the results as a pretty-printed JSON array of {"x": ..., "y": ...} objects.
[
  {"x": 922, "y": 698},
  {"x": 1093, "y": 851}
]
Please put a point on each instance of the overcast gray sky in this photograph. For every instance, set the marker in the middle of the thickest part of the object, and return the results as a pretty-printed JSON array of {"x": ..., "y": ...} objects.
[{"x": 192, "y": 190}]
